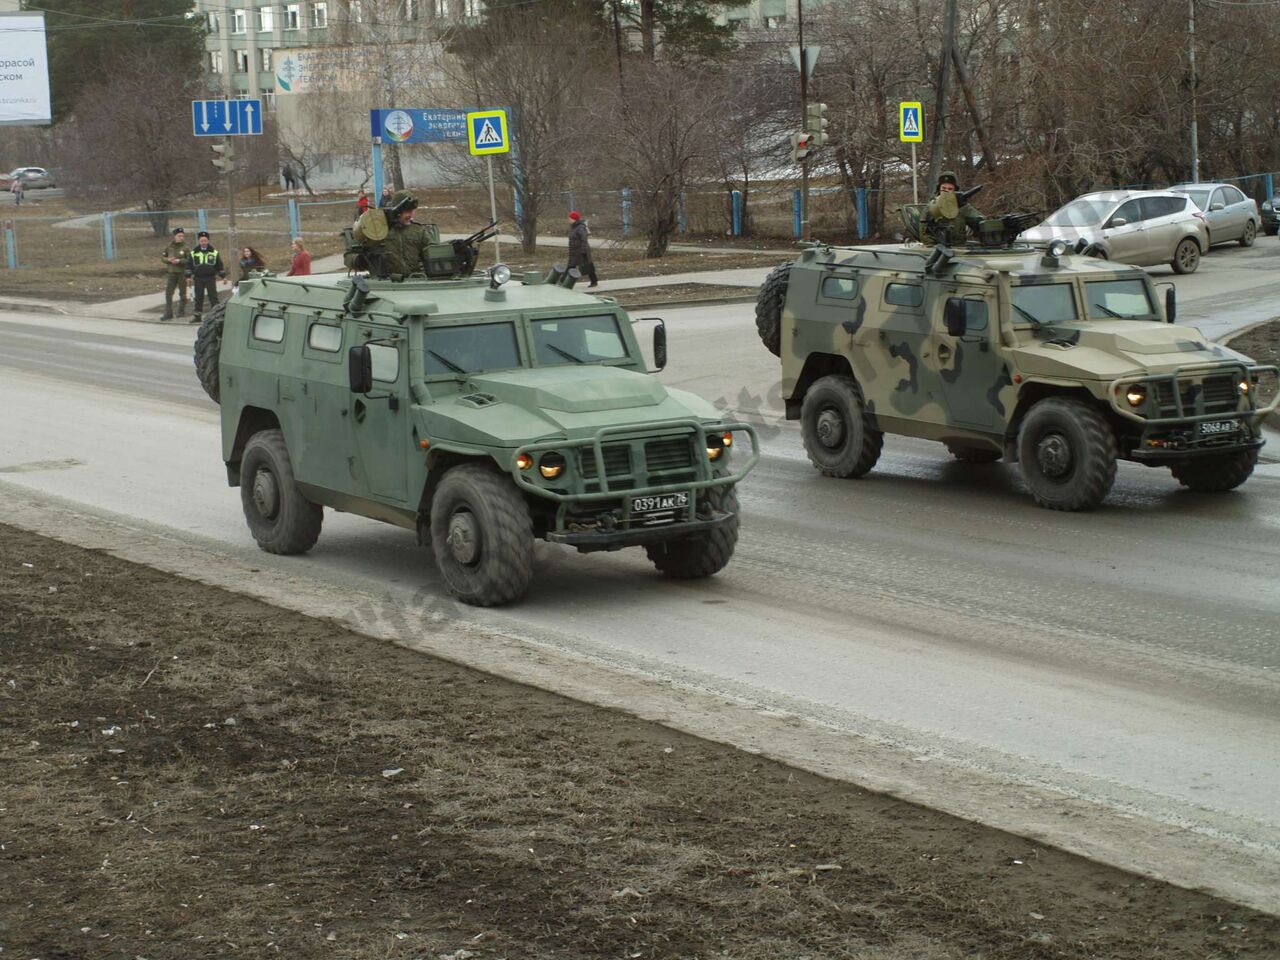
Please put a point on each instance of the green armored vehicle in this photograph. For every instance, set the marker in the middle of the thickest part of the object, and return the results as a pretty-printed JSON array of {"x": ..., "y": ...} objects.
[
  {"x": 1059, "y": 362},
  {"x": 478, "y": 412}
]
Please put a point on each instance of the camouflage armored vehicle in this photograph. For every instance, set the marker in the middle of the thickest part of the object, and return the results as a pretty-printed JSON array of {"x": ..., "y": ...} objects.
[
  {"x": 1059, "y": 362},
  {"x": 478, "y": 412}
]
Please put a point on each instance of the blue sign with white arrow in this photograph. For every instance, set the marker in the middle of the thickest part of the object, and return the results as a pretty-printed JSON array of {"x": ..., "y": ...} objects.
[{"x": 226, "y": 118}]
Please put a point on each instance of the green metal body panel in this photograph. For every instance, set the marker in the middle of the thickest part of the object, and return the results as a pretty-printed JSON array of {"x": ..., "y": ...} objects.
[
  {"x": 284, "y": 357},
  {"x": 878, "y": 312}
]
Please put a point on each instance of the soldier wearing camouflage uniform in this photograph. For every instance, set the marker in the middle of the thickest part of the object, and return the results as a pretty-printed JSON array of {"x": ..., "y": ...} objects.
[
  {"x": 404, "y": 251},
  {"x": 176, "y": 257},
  {"x": 947, "y": 220}
]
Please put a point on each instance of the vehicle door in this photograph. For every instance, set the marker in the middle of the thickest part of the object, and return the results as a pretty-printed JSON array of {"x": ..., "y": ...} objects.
[
  {"x": 904, "y": 381},
  {"x": 324, "y": 392},
  {"x": 1166, "y": 220},
  {"x": 968, "y": 364},
  {"x": 1238, "y": 209},
  {"x": 380, "y": 419},
  {"x": 1126, "y": 234}
]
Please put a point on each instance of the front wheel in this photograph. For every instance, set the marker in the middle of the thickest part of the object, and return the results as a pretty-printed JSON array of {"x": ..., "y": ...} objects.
[
  {"x": 1216, "y": 474},
  {"x": 1250, "y": 233},
  {"x": 482, "y": 536},
  {"x": 703, "y": 554},
  {"x": 1186, "y": 256},
  {"x": 1067, "y": 453},
  {"x": 280, "y": 518},
  {"x": 838, "y": 434}
]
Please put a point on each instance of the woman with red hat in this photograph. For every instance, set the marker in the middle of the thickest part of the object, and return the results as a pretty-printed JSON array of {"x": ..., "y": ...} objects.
[{"x": 580, "y": 247}]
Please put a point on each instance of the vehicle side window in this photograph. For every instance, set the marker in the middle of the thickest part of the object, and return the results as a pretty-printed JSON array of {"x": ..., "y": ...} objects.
[
  {"x": 323, "y": 336},
  {"x": 840, "y": 288},
  {"x": 386, "y": 362},
  {"x": 1219, "y": 196},
  {"x": 904, "y": 294},
  {"x": 975, "y": 312},
  {"x": 1130, "y": 211},
  {"x": 268, "y": 328},
  {"x": 1233, "y": 195}
]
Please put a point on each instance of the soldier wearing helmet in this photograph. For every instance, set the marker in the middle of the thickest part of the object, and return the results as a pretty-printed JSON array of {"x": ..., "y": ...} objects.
[
  {"x": 393, "y": 244},
  {"x": 949, "y": 214}
]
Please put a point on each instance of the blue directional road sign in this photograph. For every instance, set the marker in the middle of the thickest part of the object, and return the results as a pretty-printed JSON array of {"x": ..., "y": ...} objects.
[{"x": 226, "y": 118}]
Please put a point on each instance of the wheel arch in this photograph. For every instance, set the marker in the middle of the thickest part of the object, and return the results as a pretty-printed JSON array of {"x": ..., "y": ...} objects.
[
  {"x": 1032, "y": 392},
  {"x": 816, "y": 366},
  {"x": 440, "y": 462},
  {"x": 252, "y": 420}
]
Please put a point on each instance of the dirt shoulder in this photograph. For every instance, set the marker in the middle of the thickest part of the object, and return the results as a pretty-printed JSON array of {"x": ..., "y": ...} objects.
[
  {"x": 1261, "y": 343},
  {"x": 191, "y": 773}
]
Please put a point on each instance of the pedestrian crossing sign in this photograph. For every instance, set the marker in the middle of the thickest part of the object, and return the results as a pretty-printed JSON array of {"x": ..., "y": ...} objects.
[
  {"x": 910, "y": 122},
  {"x": 487, "y": 132}
]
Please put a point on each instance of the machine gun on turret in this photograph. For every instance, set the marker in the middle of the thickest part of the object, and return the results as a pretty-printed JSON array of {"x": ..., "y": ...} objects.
[{"x": 457, "y": 258}]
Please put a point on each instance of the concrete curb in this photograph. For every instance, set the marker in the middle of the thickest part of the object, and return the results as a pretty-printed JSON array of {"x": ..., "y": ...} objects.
[{"x": 18, "y": 306}]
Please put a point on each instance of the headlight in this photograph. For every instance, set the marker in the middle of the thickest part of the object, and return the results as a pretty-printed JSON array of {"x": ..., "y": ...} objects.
[
  {"x": 499, "y": 274},
  {"x": 524, "y": 461},
  {"x": 1058, "y": 247},
  {"x": 715, "y": 446},
  {"x": 1136, "y": 395},
  {"x": 1244, "y": 386},
  {"x": 727, "y": 437},
  {"x": 1266, "y": 205},
  {"x": 551, "y": 465}
]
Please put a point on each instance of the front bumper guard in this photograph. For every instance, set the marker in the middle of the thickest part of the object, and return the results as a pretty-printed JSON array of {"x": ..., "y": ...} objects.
[{"x": 1244, "y": 371}]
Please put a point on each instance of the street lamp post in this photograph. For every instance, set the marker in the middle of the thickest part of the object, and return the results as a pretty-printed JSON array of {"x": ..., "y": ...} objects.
[{"x": 1195, "y": 142}]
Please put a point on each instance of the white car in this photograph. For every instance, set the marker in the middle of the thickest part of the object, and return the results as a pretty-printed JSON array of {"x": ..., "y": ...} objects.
[
  {"x": 1142, "y": 227},
  {"x": 1232, "y": 216}
]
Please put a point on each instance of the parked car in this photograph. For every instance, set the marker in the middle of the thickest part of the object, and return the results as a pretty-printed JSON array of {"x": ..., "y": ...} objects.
[
  {"x": 1232, "y": 216},
  {"x": 33, "y": 178},
  {"x": 1271, "y": 216},
  {"x": 1141, "y": 227}
]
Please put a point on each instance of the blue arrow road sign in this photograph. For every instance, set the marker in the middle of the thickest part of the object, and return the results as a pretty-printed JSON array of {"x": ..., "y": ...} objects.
[{"x": 226, "y": 118}]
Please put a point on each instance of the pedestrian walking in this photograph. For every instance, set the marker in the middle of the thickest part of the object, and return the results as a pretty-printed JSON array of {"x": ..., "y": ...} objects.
[
  {"x": 250, "y": 260},
  {"x": 362, "y": 203},
  {"x": 290, "y": 181},
  {"x": 301, "y": 266},
  {"x": 580, "y": 247},
  {"x": 17, "y": 188},
  {"x": 177, "y": 266},
  {"x": 206, "y": 270}
]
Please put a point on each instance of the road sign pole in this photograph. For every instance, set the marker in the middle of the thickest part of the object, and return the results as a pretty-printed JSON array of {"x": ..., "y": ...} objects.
[
  {"x": 915, "y": 176},
  {"x": 231, "y": 207},
  {"x": 493, "y": 212},
  {"x": 377, "y": 172}
]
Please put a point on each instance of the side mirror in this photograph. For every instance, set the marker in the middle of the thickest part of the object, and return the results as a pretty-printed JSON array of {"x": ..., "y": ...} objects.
[
  {"x": 660, "y": 345},
  {"x": 1117, "y": 222},
  {"x": 360, "y": 368},
  {"x": 1170, "y": 304},
  {"x": 955, "y": 315},
  {"x": 1215, "y": 207}
]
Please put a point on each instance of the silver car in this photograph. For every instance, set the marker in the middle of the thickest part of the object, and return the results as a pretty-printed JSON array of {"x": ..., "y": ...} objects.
[
  {"x": 1142, "y": 227},
  {"x": 1232, "y": 216}
]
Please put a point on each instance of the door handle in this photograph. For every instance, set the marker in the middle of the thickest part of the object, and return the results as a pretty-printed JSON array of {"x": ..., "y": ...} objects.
[
  {"x": 358, "y": 411},
  {"x": 944, "y": 352}
]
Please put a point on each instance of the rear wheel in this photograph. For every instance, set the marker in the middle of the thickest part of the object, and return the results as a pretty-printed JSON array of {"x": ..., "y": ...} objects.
[
  {"x": 1186, "y": 256},
  {"x": 208, "y": 345},
  {"x": 769, "y": 301},
  {"x": 482, "y": 536},
  {"x": 1067, "y": 453},
  {"x": 1250, "y": 232},
  {"x": 838, "y": 433},
  {"x": 702, "y": 554},
  {"x": 1216, "y": 474},
  {"x": 280, "y": 518}
]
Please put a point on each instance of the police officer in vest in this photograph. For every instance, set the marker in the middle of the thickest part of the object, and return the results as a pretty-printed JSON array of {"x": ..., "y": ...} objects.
[{"x": 206, "y": 269}]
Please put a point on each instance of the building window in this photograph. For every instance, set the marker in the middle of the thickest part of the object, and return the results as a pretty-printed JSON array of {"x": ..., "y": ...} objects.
[
  {"x": 215, "y": 61},
  {"x": 773, "y": 23},
  {"x": 440, "y": 8},
  {"x": 266, "y": 19},
  {"x": 242, "y": 61},
  {"x": 265, "y": 53},
  {"x": 238, "y": 24},
  {"x": 471, "y": 8},
  {"x": 319, "y": 15},
  {"x": 411, "y": 9},
  {"x": 214, "y": 25},
  {"x": 268, "y": 99},
  {"x": 291, "y": 16},
  {"x": 355, "y": 11}
]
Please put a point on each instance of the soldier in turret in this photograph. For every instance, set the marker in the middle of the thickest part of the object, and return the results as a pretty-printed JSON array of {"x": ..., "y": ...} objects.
[
  {"x": 950, "y": 215},
  {"x": 399, "y": 245}
]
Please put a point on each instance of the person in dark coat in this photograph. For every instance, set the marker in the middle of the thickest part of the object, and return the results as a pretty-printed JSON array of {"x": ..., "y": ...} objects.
[
  {"x": 580, "y": 247},
  {"x": 205, "y": 264},
  {"x": 250, "y": 260}
]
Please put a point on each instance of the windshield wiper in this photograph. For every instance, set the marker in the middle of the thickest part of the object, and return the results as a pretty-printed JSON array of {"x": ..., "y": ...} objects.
[
  {"x": 1109, "y": 311},
  {"x": 565, "y": 353},
  {"x": 1030, "y": 316},
  {"x": 447, "y": 362}
]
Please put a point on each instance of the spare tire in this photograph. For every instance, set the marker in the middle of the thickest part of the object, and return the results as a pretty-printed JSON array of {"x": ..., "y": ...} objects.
[
  {"x": 208, "y": 345},
  {"x": 769, "y": 301}
]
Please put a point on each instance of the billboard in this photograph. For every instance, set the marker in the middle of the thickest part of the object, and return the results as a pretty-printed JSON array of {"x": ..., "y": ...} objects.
[{"x": 24, "y": 70}]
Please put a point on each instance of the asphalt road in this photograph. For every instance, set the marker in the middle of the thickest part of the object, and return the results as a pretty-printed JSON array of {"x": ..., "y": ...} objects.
[{"x": 1127, "y": 658}]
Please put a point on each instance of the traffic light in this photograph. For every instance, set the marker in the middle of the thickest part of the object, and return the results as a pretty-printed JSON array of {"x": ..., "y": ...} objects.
[
  {"x": 801, "y": 144},
  {"x": 224, "y": 157},
  {"x": 815, "y": 123}
]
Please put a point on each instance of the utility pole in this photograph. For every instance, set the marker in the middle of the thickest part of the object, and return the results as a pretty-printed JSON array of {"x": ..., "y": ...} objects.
[
  {"x": 805, "y": 233},
  {"x": 617, "y": 42},
  {"x": 1195, "y": 141},
  {"x": 942, "y": 95}
]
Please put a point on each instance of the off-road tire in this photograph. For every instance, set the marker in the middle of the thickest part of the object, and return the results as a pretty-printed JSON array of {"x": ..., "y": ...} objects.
[
  {"x": 208, "y": 344},
  {"x": 769, "y": 301},
  {"x": 493, "y": 518},
  {"x": 1216, "y": 474},
  {"x": 1186, "y": 256},
  {"x": 1250, "y": 234},
  {"x": 1067, "y": 452},
  {"x": 704, "y": 554},
  {"x": 973, "y": 454},
  {"x": 280, "y": 518},
  {"x": 838, "y": 435}
]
